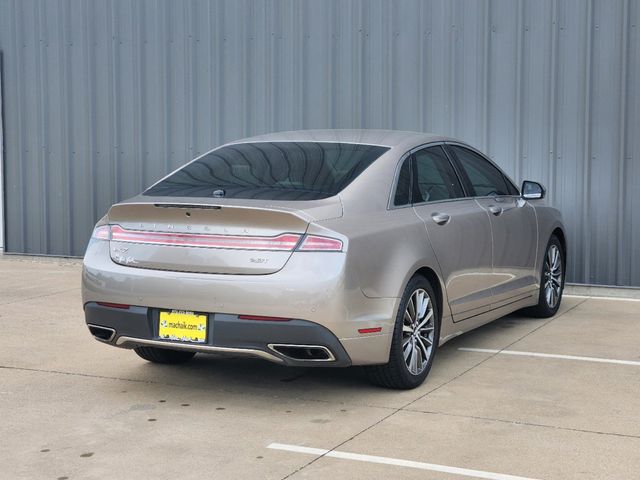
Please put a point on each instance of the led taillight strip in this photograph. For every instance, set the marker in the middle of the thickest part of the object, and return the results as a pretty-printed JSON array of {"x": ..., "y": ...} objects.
[{"x": 284, "y": 242}]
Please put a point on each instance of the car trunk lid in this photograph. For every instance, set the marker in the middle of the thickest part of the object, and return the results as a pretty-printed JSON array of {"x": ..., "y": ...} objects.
[{"x": 206, "y": 237}]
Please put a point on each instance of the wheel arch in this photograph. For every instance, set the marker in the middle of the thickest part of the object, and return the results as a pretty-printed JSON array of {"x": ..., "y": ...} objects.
[
  {"x": 433, "y": 278},
  {"x": 559, "y": 233}
]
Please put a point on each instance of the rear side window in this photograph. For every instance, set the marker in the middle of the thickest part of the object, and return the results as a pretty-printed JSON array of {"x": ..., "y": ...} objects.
[
  {"x": 485, "y": 179},
  {"x": 271, "y": 171},
  {"x": 403, "y": 186},
  {"x": 435, "y": 177}
]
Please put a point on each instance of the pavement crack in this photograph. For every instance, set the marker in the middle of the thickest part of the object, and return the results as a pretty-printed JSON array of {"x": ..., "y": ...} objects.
[
  {"x": 406, "y": 406},
  {"x": 77, "y": 374},
  {"x": 375, "y": 424},
  {"x": 257, "y": 394},
  {"x": 495, "y": 354},
  {"x": 519, "y": 422},
  {"x": 20, "y": 300}
]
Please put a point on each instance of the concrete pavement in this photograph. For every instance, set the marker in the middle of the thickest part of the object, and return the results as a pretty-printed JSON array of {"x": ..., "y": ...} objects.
[{"x": 74, "y": 408}]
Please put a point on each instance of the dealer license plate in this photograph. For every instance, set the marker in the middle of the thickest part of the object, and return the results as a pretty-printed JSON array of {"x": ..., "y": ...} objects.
[{"x": 182, "y": 326}]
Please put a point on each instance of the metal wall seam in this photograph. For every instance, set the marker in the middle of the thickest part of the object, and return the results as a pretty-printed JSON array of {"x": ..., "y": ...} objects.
[
  {"x": 553, "y": 103},
  {"x": 586, "y": 190},
  {"x": 622, "y": 276}
]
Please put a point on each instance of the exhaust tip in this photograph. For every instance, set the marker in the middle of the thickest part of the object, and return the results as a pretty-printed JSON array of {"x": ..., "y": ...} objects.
[
  {"x": 104, "y": 334},
  {"x": 303, "y": 353}
]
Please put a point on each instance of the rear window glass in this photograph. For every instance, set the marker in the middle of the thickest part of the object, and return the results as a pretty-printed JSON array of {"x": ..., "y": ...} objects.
[{"x": 271, "y": 171}]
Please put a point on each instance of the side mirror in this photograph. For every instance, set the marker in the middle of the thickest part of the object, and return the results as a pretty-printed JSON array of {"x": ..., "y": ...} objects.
[{"x": 532, "y": 190}]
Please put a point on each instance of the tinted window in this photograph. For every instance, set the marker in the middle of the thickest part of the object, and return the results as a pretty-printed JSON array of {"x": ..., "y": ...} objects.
[
  {"x": 271, "y": 171},
  {"x": 512, "y": 188},
  {"x": 403, "y": 187},
  {"x": 435, "y": 177},
  {"x": 486, "y": 179}
]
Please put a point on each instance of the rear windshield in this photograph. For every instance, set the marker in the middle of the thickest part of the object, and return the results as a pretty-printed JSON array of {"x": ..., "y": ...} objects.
[{"x": 271, "y": 171}]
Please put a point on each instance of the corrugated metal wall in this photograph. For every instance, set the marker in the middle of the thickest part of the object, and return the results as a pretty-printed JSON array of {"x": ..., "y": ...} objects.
[
  {"x": 1, "y": 166},
  {"x": 101, "y": 98}
]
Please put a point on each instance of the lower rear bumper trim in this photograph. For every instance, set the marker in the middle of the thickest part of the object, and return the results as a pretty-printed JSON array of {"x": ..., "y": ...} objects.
[{"x": 130, "y": 342}]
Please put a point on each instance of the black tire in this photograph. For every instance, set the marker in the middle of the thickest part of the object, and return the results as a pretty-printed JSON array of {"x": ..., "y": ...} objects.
[
  {"x": 163, "y": 355},
  {"x": 396, "y": 374},
  {"x": 543, "y": 309}
]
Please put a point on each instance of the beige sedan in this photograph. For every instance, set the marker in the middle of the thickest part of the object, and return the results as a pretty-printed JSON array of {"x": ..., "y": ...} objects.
[{"x": 323, "y": 248}]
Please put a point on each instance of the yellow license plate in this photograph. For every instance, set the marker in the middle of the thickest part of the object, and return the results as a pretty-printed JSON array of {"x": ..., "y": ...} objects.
[{"x": 183, "y": 326}]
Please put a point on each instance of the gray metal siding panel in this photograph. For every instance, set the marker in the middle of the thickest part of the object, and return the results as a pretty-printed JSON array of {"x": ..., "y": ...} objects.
[
  {"x": 1, "y": 165},
  {"x": 101, "y": 98},
  {"x": 629, "y": 253}
]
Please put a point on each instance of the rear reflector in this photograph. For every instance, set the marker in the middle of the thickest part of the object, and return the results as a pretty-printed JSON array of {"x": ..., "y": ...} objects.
[
  {"x": 113, "y": 305},
  {"x": 284, "y": 242},
  {"x": 370, "y": 330},
  {"x": 266, "y": 319},
  {"x": 315, "y": 243}
]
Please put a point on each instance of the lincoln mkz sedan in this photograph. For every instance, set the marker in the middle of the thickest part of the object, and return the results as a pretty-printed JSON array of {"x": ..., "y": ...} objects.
[{"x": 323, "y": 248}]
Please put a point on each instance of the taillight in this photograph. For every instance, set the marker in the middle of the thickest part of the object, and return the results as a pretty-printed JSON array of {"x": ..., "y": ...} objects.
[
  {"x": 315, "y": 243},
  {"x": 102, "y": 232},
  {"x": 284, "y": 242}
]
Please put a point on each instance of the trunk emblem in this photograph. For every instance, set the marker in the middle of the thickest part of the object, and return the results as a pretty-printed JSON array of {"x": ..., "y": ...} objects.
[{"x": 218, "y": 193}]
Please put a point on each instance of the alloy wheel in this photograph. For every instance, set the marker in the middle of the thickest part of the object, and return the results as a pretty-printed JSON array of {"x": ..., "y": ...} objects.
[
  {"x": 552, "y": 276},
  {"x": 417, "y": 331}
]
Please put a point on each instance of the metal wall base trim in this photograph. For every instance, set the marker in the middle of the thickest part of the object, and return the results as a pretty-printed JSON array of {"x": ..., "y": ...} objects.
[{"x": 602, "y": 291}]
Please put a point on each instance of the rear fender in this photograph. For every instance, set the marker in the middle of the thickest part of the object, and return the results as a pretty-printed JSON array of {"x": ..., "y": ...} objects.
[{"x": 385, "y": 250}]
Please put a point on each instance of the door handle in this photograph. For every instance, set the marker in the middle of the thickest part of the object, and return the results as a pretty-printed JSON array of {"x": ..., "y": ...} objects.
[
  {"x": 495, "y": 209},
  {"x": 440, "y": 218}
]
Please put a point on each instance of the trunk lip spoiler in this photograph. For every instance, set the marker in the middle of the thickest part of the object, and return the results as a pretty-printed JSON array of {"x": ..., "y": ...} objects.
[
  {"x": 302, "y": 212},
  {"x": 188, "y": 206}
]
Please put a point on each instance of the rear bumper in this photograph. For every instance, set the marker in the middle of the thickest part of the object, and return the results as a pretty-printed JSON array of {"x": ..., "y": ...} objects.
[
  {"x": 227, "y": 334},
  {"x": 316, "y": 289}
]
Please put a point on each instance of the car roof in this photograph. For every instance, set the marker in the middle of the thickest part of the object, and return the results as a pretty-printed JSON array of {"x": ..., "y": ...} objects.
[{"x": 386, "y": 138}]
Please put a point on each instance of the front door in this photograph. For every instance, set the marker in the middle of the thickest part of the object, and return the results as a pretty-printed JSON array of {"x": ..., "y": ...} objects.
[{"x": 514, "y": 228}]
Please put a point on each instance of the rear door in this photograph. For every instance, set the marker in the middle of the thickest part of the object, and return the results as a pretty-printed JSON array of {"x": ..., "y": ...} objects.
[
  {"x": 458, "y": 229},
  {"x": 513, "y": 225}
]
